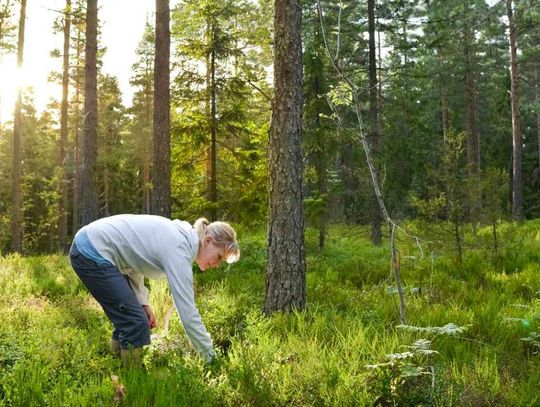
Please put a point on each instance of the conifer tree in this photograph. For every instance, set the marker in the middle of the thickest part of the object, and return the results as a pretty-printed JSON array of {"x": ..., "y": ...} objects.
[
  {"x": 63, "y": 220},
  {"x": 286, "y": 270},
  {"x": 142, "y": 112},
  {"x": 88, "y": 189},
  {"x": 16, "y": 216},
  {"x": 161, "y": 170}
]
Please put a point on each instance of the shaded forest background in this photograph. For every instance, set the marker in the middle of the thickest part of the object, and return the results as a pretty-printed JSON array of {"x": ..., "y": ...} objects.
[{"x": 435, "y": 90}]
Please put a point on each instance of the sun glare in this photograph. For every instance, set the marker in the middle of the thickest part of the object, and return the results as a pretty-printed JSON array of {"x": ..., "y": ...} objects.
[{"x": 10, "y": 79}]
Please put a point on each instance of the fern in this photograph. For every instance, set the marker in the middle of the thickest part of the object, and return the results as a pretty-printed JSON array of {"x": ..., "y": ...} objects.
[{"x": 450, "y": 329}]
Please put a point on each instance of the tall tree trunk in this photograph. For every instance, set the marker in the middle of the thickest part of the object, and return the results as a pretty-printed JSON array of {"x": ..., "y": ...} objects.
[
  {"x": 147, "y": 146},
  {"x": 445, "y": 113},
  {"x": 63, "y": 204},
  {"x": 210, "y": 110},
  {"x": 374, "y": 119},
  {"x": 473, "y": 150},
  {"x": 208, "y": 116},
  {"x": 320, "y": 157},
  {"x": 105, "y": 150},
  {"x": 89, "y": 203},
  {"x": 517, "y": 195},
  {"x": 322, "y": 184},
  {"x": 471, "y": 127},
  {"x": 321, "y": 163},
  {"x": 286, "y": 273},
  {"x": 106, "y": 210},
  {"x": 16, "y": 216},
  {"x": 213, "y": 145},
  {"x": 379, "y": 84},
  {"x": 76, "y": 139},
  {"x": 161, "y": 174}
]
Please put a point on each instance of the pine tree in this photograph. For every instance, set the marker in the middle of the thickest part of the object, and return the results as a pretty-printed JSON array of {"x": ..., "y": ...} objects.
[
  {"x": 375, "y": 132},
  {"x": 517, "y": 194},
  {"x": 221, "y": 122},
  {"x": 319, "y": 140},
  {"x": 161, "y": 174},
  {"x": 77, "y": 119},
  {"x": 116, "y": 182},
  {"x": 16, "y": 218},
  {"x": 88, "y": 204},
  {"x": 286, "y": 272},
  {"x": 142, "y": 111},
  {"x": 63, "y": 221}
]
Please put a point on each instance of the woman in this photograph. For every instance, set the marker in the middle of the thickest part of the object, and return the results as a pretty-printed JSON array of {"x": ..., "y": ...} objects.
[{"x": 113, "y": 255}]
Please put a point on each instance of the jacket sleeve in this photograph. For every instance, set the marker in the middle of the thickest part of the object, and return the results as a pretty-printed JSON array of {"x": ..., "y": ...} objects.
[
  {"x": 136, "y": 281},
  {"x": 180, "y": 276}
]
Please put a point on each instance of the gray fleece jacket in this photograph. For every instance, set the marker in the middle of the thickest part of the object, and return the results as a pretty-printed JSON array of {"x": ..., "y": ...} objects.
[{"x": 155, "y": 247}]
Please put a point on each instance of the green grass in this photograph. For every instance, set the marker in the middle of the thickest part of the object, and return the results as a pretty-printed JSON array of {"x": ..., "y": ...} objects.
[{"x": 54, "y": 337}]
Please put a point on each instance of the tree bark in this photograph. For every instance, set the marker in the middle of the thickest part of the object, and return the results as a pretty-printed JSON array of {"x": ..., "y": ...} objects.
[
  {"x": 213, "y": 178},
  {"x": 161, "y": 174},
  {"x": 471, "y": 127},
  {"x": 322, "y": 184},
  {"x": 445, "y": 113},
  {"x": 89, "y": 204},
  {"x": 320, "y": 155},
  {"x": 286, "y": 272},
  {"x": 517, "y": 195},
  {"x": 147, "y": 147},
  {"x": 473, "y": 147},
  {"x": 76, "y": 140},
  {"x": 320, "y": 168},
  {"x": 211, "y": 164},
  {"x": 16, "y": 215},
  {"x": 208, "y": 115},
  {"x": 63, "y": 204},
  {"x": 374, "y": 119}
]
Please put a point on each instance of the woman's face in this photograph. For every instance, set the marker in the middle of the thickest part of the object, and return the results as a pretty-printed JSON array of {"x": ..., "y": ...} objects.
[{"x": 209, "y": 256}]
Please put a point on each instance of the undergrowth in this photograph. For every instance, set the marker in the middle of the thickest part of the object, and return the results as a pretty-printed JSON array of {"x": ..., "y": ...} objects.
[{"x": 471, "y": 338}]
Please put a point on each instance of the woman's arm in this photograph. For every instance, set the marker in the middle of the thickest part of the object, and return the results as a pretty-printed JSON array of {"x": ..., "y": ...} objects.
[{"x": 180, "y": 277}]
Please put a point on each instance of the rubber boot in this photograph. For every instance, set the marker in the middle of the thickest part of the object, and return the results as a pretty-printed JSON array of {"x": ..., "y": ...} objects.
[
  {"x": 115, "y": 347},
  {"x": 131, "y": 358}
]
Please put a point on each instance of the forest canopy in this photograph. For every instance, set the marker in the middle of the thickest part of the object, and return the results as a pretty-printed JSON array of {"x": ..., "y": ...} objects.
[{"x": 434, "y": 81}]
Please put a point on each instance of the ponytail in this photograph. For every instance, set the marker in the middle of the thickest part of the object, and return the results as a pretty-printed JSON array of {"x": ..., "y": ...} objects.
[{"x": 200, "y": 226}]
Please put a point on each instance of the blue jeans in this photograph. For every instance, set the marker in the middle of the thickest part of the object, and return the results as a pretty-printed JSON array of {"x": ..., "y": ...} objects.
[{"x": 112, "y": 290}]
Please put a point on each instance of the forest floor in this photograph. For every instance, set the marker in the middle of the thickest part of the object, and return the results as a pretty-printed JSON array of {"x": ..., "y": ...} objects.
[{"x": 472, "y": 336}]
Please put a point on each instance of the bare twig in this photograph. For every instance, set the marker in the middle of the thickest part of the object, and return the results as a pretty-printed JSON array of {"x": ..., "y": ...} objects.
[
  {"x": 262, "y": 92},
  {"x": 396, "y": 267},
  {"x": 338, "y": 31}
]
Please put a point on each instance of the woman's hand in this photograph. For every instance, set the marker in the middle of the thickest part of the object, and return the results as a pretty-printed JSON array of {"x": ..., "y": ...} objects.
[{"x": 151, "y": 317}]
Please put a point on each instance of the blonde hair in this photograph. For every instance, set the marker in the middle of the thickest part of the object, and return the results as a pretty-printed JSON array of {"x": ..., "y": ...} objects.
[{"x": 223, "y": 236}]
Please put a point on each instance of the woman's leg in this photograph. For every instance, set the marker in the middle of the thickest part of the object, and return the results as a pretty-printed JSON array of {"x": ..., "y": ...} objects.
[{"x": 110, "y": 288}]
